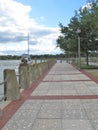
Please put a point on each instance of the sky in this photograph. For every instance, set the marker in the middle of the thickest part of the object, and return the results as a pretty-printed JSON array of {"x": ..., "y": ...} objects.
[{"x": 38, "y": 19}]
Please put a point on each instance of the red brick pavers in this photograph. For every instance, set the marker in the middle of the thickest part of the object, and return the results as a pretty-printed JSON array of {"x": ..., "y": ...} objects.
[
  {"x": 56, "y": 97},
  {"x": 90, "y": 76},
  {"x": 62, "y": 83},
  {"x": 12, "y": 107}
]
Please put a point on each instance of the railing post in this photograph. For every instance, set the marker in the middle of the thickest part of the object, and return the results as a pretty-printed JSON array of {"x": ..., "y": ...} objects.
[
  {"x": 37, "y": 71},
  {"x": 32, "y": 73},
  {"x": 11, "y": 86},
  {"x": 24, "y": 79},
  {"x": 1, "y": 114}
]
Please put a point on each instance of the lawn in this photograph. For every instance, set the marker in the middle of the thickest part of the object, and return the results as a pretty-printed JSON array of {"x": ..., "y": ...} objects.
[
  {"x": 93, "y": 72},
  {"x": 91, "y": 69}
]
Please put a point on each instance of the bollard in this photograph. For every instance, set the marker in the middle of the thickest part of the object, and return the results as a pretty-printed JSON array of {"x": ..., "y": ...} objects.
[
  {"x": 24, "y": 79},
  {"x": 1, "y": 114},
  {"x": 37, "y": 72},
  {"x": 32, "y": 74},
  {"x": 44, "y": 67},
  {"x": 40, "y": 68},
  {"x": 11, "y": 87}
]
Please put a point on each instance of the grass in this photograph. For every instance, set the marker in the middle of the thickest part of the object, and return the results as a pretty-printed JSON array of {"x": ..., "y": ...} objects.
[
  {"x": 93, "y": 72},
  {"x": 84, "y": 66},
  {"x": 91, "y": 69}
]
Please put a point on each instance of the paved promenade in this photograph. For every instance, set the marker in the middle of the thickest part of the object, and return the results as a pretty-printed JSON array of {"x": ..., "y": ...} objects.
[{"x": 65, "y": 99}]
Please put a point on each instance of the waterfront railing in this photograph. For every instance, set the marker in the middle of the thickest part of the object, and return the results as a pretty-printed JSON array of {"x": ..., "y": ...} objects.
[{"x": 28, "y": 73}]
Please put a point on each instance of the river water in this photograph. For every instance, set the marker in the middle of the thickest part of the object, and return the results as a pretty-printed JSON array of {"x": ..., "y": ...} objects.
[{"x": 7, "y": 64}]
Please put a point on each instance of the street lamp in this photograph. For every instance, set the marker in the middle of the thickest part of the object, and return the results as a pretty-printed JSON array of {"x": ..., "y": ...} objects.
[
  {"x": 28, "y": 44},
  {"x": 79, "y": 51}
]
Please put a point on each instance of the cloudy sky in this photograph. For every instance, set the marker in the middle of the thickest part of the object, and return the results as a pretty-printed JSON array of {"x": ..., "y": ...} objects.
[{"x": 39, "y": 19}]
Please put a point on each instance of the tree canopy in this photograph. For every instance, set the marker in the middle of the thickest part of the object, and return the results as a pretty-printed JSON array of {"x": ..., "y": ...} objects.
[{"x": 86, "y": 19}]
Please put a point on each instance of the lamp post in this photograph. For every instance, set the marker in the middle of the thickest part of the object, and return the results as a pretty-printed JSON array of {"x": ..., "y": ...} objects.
[
  {"x": 79, "y": 51},
  {"x": 28, "y": 44}
]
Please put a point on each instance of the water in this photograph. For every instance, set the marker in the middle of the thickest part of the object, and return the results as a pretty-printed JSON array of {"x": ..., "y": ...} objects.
[
  {"x": 7, "y": 64},
  {"x": 10, "y": 64}
]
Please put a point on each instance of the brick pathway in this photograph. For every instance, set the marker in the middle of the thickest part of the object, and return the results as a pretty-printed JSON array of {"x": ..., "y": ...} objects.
[{"x": 65, "y": 99}]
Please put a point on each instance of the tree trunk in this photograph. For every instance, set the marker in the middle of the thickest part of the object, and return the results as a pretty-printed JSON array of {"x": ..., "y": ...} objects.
[{"x": 87, "y": 59}]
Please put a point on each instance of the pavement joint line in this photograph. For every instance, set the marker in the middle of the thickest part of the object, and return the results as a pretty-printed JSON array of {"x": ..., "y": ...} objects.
[
  {"x": 13, "y": 106},
  {"x": 65, "y": 80},
  {"x": 66, "y": 74},
  {"x": 56, "y": 97}
]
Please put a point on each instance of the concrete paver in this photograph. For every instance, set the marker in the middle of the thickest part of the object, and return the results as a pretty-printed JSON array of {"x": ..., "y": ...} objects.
[
  {"x": 47, "y": 124},
  {"x": 55, "y": 114},
  {"x": 76, "y": 125},
  {"x": 59, "y": 114}
]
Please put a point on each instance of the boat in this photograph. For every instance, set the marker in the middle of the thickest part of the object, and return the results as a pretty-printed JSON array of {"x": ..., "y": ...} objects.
[{"x": 26, "y": 59}]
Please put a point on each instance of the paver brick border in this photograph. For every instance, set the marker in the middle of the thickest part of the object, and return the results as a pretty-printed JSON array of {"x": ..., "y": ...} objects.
[
  {"x": 65, "y": 74},
  {"x": 65, "y": 80},
  {"x": 90, "y": 76},
  {"x": 13, "y": 106},
  {"x": 56, "y": 97}
]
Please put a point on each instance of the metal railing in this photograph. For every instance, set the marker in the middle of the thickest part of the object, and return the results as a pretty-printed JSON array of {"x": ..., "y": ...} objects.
[
  {"x": 4, "y": 98},
  {"x": 20, "y": 75}
]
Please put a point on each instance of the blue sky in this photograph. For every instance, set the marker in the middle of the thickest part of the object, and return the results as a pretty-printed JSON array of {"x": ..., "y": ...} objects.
[
  {"x": 53, "y": 11},
  {"x": 39, "y": 18}
]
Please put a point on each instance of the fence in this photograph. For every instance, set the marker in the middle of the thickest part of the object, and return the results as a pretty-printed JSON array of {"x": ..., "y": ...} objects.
[{"x": 28, "y": 73}]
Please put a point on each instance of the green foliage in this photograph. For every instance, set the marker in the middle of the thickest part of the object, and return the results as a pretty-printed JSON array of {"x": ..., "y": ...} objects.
[
  {"x": 15, "y": 57},
  {"x": 9, "y": 57},
  {"x": 87, "y": 20}
]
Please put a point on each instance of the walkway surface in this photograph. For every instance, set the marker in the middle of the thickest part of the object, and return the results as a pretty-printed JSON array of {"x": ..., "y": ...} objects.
[{"x": 65, "y": 99}]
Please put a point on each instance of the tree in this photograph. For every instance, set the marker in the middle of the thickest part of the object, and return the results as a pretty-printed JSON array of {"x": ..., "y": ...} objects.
[{"x": 87, "y": 21}]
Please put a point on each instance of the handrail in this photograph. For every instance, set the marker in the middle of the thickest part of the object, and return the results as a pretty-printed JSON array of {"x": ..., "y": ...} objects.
[
  {"x": 19, "y": 74},
  {"x": 3, "y": 98},
  {"x": 2, "y": 83},
  {"x": 25, "y": 79}
]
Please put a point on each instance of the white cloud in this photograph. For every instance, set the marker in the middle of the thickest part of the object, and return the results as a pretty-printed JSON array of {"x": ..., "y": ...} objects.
[
  {"x": 15, "y": 23},
  {"x": 87, "y": 6}
]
